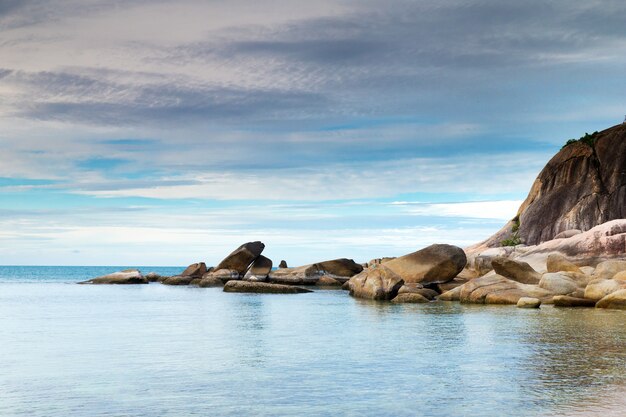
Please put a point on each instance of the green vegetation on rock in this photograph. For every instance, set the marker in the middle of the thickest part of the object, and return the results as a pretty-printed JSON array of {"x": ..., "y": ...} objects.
[{"x": 588, "y": 140}]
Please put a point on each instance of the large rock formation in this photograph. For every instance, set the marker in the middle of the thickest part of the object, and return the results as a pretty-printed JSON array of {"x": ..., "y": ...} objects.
[
  {"x": 432, "y": 265},
  {"x": 242, "y": 257},
  {"x": 582, "y": 186}
]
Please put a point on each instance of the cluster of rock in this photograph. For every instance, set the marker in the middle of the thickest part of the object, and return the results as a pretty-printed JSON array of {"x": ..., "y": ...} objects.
[{"x": 247, "y": 270}]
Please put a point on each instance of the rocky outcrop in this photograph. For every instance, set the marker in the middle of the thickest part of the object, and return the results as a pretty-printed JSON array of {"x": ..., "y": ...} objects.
[
  {"x": 262, "y": 288},
  {"x": 209, "y": 281},
  {"x": 283, "y": 264},
  {"x": 242, "y": 257},
  {"x": 432, "y": 265},
  {"x": 153, "y": 277},
  {"x": 128, "y": 276},
  {"x": 376, "y": 283},
  {"x": 582, "y": 186},
  {"x": 495, "y": 289},
  {"x": 223, "y": 275}
]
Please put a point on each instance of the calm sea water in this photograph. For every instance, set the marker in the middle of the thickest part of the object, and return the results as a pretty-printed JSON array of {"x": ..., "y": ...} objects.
[{"x": 154, "y": 350}]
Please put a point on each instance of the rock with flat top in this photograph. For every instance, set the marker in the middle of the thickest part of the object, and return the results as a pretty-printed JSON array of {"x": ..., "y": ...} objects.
[
  {"x": 262, "y": 288},
  {"x": 126, "y": 277},
  {"x": 528, "y": 302},
  {"x": 568, "y": 301}
]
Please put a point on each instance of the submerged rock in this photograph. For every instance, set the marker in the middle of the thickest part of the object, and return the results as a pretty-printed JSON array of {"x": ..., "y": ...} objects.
[
  {"x": 262, "y": 288},
  {"x": 432, "y": 265},
  {"x": 376, "y": 283},
  {"x": 408, "y": 297},
  {"x": 126, "y": 277}
]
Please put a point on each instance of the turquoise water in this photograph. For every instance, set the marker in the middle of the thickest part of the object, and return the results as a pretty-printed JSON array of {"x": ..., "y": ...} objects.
[{"x": 154, "y": 350}]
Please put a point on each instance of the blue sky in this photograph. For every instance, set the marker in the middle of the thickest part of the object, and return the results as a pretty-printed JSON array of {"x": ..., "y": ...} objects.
[{"x": 163, "y": 133}]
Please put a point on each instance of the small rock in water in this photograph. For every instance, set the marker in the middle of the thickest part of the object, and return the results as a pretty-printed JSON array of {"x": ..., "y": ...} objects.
[
  {"x": 528, "y": 302},
  {"x": 128, "y": 276},
  {"x": 283, "y": 264},
  {"x": 567, "y": 301}
]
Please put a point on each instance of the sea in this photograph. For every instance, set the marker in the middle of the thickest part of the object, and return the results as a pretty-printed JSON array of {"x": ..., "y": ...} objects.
[{"x": 156, "y": 350}]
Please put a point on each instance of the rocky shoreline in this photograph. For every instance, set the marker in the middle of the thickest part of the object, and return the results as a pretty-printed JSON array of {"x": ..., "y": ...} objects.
[
  {"x": 437, "y": 273},
  {"x": 574, "y": 221}
]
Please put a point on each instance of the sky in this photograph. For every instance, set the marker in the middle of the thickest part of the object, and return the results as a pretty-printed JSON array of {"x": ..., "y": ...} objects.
[{"x": 155, "y": 132}]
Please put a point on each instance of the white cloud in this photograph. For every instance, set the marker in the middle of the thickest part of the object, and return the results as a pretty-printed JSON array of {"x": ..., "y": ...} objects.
[{"x": 498, "y": 210}]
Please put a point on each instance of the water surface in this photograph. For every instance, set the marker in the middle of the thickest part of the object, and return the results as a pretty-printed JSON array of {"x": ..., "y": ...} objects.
[{"x": 148, "y": 350}]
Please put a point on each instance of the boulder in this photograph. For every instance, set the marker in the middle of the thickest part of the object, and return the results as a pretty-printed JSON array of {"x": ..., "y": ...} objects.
[
  {"x": 282, "y": 264},
  {"x": 515, "y": 270},
  {"x": 558, "y": 283},
  {"x": 567, "y": 301},
  {"x": 600, "y": 288},
  {"x": 178, "y": 280},
  {"x": 559, "y": 263},
  {"x": 450, "y": 285},
  {"x": 410, "y": 298},
  {"x": 376, "y": 283},
  {"x": 262, "y": 288},
  {"x": 223, "y": 275},
  {"x": 128, "y": 276},
  {"x": 496, "y": 289},
  {"x": 528, "y": 302},
  {"x": 302, "y": 275},
  {"x": 153, "y": 277},
  {"x": 261, "y": 267},
  {"x": 328, "y": 281},
  {"x": 208, "y": 281},
  {"x": 195, "y": 270},
  {"x": 339, "y": 267},
  {"x": 434, "y": 264},
  {"x": 507, "y": 296},
  {"x": 242, "y": 257},
  {"x": 616, "y": 300},
  {"x": 608, "y": 269}
]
